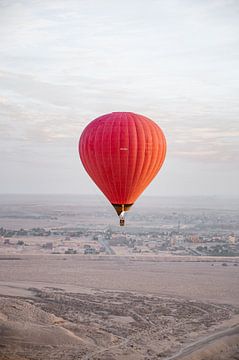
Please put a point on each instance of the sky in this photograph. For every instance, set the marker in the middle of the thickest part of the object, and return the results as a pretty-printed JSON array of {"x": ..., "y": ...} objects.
[{"x": 64, "y": 63}]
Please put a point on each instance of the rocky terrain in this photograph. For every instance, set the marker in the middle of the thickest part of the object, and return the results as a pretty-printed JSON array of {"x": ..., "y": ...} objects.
[{"x": 55, "y": 324}]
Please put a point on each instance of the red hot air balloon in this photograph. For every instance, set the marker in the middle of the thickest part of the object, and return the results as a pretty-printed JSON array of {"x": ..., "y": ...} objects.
[{"x": 122, "y": 152}]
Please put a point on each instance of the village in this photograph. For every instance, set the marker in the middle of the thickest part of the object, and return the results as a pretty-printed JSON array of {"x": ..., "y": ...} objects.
[{"x": 111, "y": 241}]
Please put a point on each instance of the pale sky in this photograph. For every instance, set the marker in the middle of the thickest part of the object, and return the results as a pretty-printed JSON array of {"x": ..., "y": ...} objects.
[{"x": 64, "y": 63}]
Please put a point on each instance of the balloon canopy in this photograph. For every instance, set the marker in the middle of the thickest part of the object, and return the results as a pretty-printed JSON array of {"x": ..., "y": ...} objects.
[{"x": 122, "y": 152}]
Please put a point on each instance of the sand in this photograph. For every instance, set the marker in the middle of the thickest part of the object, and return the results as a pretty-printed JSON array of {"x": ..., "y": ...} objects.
[{"x": 73, "y": 307}]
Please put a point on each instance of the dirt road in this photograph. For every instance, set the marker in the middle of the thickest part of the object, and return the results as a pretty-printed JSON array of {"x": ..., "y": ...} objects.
[{"x": 198, "y": 348}]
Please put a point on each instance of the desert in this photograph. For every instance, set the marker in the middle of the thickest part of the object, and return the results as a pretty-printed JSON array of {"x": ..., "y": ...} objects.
[{"x": 62, "y": 301}]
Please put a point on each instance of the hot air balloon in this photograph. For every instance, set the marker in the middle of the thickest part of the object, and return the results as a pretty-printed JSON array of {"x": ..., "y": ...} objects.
[{"x": 122, "y": 152}]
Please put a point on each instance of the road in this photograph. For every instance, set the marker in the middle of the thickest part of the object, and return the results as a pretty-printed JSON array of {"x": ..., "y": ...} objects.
[
  {"x": 202, "y": 343},
  {"x": 107, "y": 247}
]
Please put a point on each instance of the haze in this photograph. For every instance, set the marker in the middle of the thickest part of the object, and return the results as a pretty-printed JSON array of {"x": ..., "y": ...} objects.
[{"x": 63, "y": 63}]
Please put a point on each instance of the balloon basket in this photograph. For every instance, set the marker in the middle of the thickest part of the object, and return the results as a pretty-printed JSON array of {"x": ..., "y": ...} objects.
[{"x": 122, "y": 221}]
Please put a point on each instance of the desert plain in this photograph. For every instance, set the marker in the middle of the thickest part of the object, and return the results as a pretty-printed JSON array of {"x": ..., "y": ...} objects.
[{"x": 109, "y": 306}]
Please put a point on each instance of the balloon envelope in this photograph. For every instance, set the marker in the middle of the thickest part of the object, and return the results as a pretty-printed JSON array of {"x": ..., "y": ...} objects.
[{"x": 122, "y": 152}]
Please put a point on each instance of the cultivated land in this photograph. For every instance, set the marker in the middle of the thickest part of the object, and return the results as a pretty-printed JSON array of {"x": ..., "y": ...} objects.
[{"x": 104, "y": 306}]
